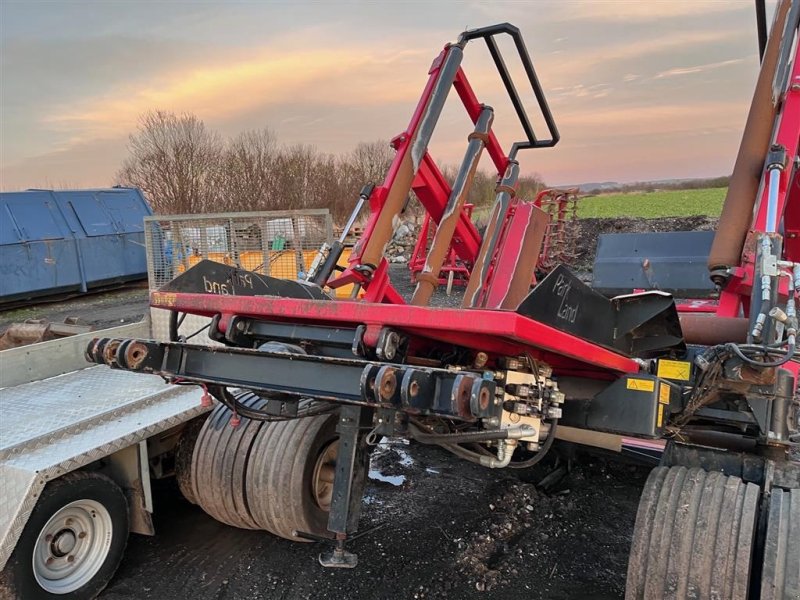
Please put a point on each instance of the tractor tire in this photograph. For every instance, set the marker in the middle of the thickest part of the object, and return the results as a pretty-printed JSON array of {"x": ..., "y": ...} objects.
[
  {"x": 780, "y": 574},
  {"x": 219, "y": 464},
  {"x": 290, "y": 476},
  {"x": 72, "y": 543},
  {"x": 694, "y": 536}
]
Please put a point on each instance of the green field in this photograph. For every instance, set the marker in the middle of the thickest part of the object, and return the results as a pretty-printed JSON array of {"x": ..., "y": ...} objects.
[{"x": 649, "y": 205}]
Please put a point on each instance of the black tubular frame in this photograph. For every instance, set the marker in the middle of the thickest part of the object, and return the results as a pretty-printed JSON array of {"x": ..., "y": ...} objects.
[{"x": 488, "y": 34}]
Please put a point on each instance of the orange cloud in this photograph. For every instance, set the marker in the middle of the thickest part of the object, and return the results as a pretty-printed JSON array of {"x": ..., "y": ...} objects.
[{"x": 324, "y": 77}]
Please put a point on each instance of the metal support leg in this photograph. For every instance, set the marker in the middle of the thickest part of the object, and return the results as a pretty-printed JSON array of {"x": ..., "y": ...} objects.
[{"x": 350, "y": 478}]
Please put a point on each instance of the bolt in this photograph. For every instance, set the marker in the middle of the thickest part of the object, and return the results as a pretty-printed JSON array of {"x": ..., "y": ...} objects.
[
  {"x": 480, "y": 360},
  {"x": 49, "y": 561},
  {"x": 48, "y": 537},
  {"x": 68, "y": 522},
  {"x": 70, "y": 558},
  {"x": 81, "y": 535}
]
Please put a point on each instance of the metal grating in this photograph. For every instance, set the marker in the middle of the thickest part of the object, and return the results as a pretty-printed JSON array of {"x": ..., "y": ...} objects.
[{"x": 278, "y": 243}]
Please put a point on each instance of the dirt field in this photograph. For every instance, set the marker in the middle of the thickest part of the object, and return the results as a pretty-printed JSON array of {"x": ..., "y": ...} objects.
[{"x": 436, "y": 527}]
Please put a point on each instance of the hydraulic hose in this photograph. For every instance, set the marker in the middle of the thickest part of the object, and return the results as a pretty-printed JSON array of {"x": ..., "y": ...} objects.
[
  {"x": 469, "y": 436},
  {"x": 737, "y": 350},
  {"x": 485, "y": 460},
  {"x": 229, "y": 400},
  {"x": 537, "y": 458}
]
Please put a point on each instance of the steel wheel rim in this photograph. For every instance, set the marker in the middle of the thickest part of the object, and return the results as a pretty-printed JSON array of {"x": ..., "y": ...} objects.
[
  {"x": 324, "y": 471},
  {"x": 72, "y": 546}
]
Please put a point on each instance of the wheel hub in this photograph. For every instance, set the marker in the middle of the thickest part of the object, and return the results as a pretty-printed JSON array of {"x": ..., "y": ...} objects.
[
  {"x": 324, "y": 472},
  {"x": 72, "y": 546},
  {"x": 63, "y": 543}
]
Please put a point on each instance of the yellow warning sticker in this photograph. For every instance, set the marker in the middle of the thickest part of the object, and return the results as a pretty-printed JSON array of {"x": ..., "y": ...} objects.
[
  {"x": 663, "y": 393},
  {"x": 660, "y": 420},
  {"x": 674, "y": 369},
  {"x": 641, "y": 385}
]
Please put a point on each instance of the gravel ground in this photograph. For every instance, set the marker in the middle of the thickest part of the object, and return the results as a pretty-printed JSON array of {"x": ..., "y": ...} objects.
[{"x": 107, "y": 309}]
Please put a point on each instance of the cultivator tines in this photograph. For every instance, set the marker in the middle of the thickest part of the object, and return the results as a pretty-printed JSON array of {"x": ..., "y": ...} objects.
[{"x": 561, "y": 205}]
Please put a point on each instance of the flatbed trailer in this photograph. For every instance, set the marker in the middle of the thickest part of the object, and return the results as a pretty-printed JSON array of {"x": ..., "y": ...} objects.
[{"x": 63, "y": 420}]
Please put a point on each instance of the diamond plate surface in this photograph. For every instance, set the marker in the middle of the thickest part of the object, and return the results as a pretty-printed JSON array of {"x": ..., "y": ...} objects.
[
  {"x": 52, "y": 427},
  {"x": 39, "y": 410}
]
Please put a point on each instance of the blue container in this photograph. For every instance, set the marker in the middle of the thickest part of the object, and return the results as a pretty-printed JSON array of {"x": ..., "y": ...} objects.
[{"x": 55, "y": 242}]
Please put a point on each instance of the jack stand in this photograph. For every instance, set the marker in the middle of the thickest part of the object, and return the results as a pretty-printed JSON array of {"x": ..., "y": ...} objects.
[
  {"x": 339, "y": 557},
  {"x": 349, "y": 480}
]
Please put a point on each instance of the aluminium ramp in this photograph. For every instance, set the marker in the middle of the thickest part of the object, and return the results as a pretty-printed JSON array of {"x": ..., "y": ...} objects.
[{"x": 57, "y": 425}]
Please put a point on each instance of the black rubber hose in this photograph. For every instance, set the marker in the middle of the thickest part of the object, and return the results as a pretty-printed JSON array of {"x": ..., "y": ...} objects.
[
  {"x": 758, "y": 364},
  {"x": 457, "y": 438},
  {"x": 537, "y": 458},
  {"x": 229, "y": 400}
]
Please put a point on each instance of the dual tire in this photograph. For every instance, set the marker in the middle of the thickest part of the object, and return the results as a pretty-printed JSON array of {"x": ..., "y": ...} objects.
[
  {"x": 275, "y": 476},
  {"x": 695, "y": 537}
]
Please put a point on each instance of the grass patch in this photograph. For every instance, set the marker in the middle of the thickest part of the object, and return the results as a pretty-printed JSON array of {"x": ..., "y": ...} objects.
[{"x": 650, "y": 205}]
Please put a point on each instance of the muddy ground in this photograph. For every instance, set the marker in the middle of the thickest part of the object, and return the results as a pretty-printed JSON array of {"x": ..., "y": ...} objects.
[{"x": 436, "y": 527}]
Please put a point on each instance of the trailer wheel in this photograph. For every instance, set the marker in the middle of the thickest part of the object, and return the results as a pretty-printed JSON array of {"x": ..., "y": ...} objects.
[
  {"x": 219, "y": 463},
  {"x": 780, "y": 575},
  {"x": 72, "y": 543},
  {"x": 693, "y": 537},
  {"x": 290, "y": 476}
]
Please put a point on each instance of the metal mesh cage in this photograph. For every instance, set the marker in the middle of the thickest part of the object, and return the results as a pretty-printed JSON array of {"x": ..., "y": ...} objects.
[{"x": 278, "y": 243}]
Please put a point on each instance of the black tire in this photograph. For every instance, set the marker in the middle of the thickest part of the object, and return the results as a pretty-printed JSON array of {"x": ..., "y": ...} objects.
[
  {"x": 780, "y": 575},
  {"x": 184, "y": 452},
  {"x": 693, "y": 537},
  {"x": 280, "y": 489},
  {"x": 18, "y": 579},
  {"x": 219, "y": 464}
]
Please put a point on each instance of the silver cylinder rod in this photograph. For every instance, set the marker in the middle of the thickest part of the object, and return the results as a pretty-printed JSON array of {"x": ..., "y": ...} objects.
[{"x": 772, "y": 200}]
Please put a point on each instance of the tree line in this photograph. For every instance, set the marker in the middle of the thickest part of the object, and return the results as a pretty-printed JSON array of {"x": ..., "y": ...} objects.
[{"x": 184, "y": 167}]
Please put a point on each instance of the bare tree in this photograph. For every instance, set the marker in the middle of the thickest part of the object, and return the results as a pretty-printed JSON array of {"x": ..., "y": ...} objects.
[
  {"x": 183, "y": 167},
  {"x": 174, "y": 159},
  {"x": 247, "y": 178},
  {"x": 370, "y": 161}
]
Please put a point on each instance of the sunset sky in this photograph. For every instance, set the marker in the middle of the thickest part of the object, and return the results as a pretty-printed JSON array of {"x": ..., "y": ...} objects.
[{"x": 640, "y": 90}]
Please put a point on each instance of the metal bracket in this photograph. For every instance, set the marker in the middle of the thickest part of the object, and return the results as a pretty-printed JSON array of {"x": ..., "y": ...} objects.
[{"x": 348, "y": 484}]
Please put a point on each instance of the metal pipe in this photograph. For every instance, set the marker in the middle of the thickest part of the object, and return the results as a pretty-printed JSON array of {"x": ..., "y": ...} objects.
[
  {"x": 761, "y": 26},
  {"x": 411, "y": 159},
  {"x": 737, "y": 212},
  {"x": 428, "y": 278},
  {"x": 711, "y": 330},
  {"x": 505, "y": 193}
]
